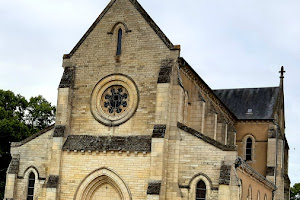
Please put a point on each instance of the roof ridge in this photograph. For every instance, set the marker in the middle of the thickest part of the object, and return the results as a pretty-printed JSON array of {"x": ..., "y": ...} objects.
[
  {"x": 144, "y": 14},
  {"x": 246, "y": 88}
]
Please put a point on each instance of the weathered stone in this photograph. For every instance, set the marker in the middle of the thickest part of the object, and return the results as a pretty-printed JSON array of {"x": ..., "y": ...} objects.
[
  {"x": 108, "y": 143},
  {"x": 270, "y": 171},
  {"x": 225, "y": 175},
  {"x": 154, "y": 187},
  {"x": 59, "y": 131},
  {"x": 13, "y": 167},
  {"x": 159, "y": 131},
  {"x": 52, "y": 181},
  {"x": 67, "y": 80}
]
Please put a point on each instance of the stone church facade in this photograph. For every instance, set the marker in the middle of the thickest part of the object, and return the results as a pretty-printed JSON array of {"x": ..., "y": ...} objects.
[{"x": 135, "y": 121}]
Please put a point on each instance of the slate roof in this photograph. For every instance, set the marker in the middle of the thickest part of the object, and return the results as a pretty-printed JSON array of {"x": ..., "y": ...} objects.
[{"x": 262, "y": 101}]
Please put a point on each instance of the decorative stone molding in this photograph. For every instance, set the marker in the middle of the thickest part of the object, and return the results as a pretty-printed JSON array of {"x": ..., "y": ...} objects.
[
  {"x": 249, "y": 171},
  {"x": 108, "y": 89},
  {"x": 111, "y": 32},
  {"x": 107, "y": 143},
  {"x": 164, "y": 75},
  {"x": 52, "y": 181},
  {"x": 59, "y": 131},
  {"x": 154, "y": 187},
  {"x": 225, "y": 175},
  {"x": 159, "y": 131},
  {"x": 14, "y": 164},
  {"x": 206, "y": 138},
  {"x": 99, "y": 177},
  {"x": 67, "y": 79},
  {"x": 17, "y": 144}
]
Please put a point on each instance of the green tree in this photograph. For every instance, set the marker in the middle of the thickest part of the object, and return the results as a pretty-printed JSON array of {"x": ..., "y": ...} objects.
[
  {"x": 40, "y": 113},
  {"x": 18, "y": 120},
  {"x": 295, "y": 192}
]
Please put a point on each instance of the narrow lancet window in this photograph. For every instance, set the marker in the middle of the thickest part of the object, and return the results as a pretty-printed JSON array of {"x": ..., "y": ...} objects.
[
  {"x": 119, "y": 46},
  {"x": 249, "y": 149},
  {"x": 200, "y": 190},
  {"x": 31, "y": 182}
]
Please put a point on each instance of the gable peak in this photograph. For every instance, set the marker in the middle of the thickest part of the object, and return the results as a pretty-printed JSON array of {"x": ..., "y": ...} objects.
[{"x": 143, "y": 13}]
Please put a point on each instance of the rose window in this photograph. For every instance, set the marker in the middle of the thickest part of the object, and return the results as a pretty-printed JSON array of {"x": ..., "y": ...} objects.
[{"x": 114, "y": 100}]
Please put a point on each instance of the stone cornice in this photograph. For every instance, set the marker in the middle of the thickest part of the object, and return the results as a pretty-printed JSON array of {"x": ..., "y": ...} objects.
[
  {"x": 206, "y": 138},
  {"x": 18, "y": 144},
  {"x": 91, "y": 143},
  {"x": 246, "y": 169}
]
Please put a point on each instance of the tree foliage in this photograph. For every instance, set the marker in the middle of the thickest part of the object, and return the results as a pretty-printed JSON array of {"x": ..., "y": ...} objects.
[
  {"x": 19, "y": 119},
  {"x": 295, "y": 192}
]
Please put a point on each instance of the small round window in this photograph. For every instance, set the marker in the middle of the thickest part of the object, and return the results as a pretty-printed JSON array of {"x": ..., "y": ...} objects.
[{"x": 114, "y": 100}]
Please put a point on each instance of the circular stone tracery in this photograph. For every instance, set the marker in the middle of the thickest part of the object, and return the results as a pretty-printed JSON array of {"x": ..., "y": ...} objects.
[{"x": 114, "y": 99}]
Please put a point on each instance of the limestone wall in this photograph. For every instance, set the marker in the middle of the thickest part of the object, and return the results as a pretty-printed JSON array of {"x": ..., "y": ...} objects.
[
  {"x": 133, "y": 169},
  {"x": 142, "y": 54},
  {"x": 34, "y": 157}
]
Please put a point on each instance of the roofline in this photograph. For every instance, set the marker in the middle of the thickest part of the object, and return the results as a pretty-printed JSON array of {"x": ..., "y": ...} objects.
[
  {"x": 255, "y": 120},
  {"x": 141, "y": 10},
  {"x": 247, "y": 88},
  {"x": 184, "y": 62},
  {"x": 243, "y": 166},
  {"x": 18, "y": 144},
  {"x": 205, "y": 138}
]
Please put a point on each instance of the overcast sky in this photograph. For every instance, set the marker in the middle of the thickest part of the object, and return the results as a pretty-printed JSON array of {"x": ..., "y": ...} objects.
[{"x": 229, "y": 43}]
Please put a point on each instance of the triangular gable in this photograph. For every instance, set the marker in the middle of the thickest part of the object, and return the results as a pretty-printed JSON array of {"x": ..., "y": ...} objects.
[{"x": 141, "y": 10}]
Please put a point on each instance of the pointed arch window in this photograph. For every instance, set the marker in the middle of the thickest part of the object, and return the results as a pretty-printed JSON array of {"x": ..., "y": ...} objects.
[
  {"x": 30, "y": 190},
  {"x": 249, "y": 144},
  {"x": 200, "y": 190},
  {"x": 249, "y": 197},
  {"x": 119, "y": 45}
]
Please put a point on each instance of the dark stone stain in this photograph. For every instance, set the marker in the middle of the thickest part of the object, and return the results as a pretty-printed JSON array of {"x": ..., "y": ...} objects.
[
  {"x": 13, "y": 167},
  {"x": 225, "y": 175},
  {"x": 52, "y": 181},
  {"x": 67, "y": 80},
  {"x": 59, "y": 131},
  {"x": 108, "y": 143},
  {"x": 159, "y": 131},
  {"x": 154, "y": 187}
]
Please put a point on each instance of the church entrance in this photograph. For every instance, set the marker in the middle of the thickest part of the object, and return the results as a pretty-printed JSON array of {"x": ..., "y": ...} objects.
[
  {"x": 106, "y": 192},
  {"x": 103, "y": 184}
]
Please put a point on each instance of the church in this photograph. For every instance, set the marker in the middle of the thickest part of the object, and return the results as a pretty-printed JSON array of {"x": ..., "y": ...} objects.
[{"x": 134, "y": 121}]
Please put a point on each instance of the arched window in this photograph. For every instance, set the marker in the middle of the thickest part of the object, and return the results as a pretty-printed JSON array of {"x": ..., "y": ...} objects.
[
  {"x": 249, "y": 197},
  {"x": 266, "y": 198},
  {"x": 119, "y": 45},
  {"x": 249, "y": 149},
  {"x": 31, "y": 182},
  {"x": 258, "y": 195},
  {"x": 200, "y": 190}
]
